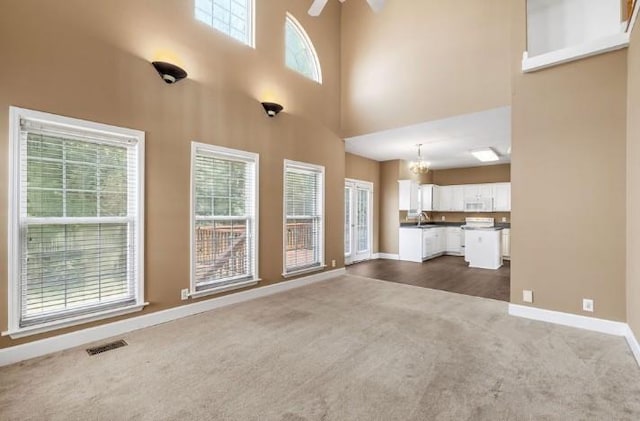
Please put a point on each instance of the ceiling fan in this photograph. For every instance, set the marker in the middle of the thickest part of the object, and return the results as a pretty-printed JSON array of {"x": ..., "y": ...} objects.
[{"x": 318, "y": 5}]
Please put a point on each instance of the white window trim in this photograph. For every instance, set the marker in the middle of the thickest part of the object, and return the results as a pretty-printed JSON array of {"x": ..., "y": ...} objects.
[
  {"x": 577, "y": 52},
  {"x": 15, "y": 115},
  {"x": 303, "y": 34},
  {"x": 352, "y": 182},
  {"x": 232, "y": 153},
  {"x": 250, "y": 40},
  {"x": 322, "y": 266}
]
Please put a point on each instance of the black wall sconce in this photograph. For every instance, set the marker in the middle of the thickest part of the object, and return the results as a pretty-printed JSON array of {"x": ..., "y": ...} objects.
[
  {"x": 170, "y": 73},
  {"x": 272, "y": 108}
]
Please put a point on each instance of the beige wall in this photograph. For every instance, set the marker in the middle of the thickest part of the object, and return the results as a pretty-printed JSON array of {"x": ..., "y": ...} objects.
[
  {"x": 389, "y": 171},
  {"x": 633, "y": 184},
  {"x": 359, "y": 168},
  {"x": 568, "y": 179},
  {"x": 422, "y": 60},
  {"x": 90, "y": 60},
  {"x": 473, "y": 175}
]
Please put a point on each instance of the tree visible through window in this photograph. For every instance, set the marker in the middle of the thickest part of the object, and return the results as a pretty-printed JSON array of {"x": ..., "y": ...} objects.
[
  {"x": 299, "y": 52},
  {"x": 224, "y": 183},
  {"x": 304, "y": 220},
  {"x": 77, "y": 222}
]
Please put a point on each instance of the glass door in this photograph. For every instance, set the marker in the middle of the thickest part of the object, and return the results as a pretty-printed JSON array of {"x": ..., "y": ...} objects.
[{"x": 358, "y": 221}]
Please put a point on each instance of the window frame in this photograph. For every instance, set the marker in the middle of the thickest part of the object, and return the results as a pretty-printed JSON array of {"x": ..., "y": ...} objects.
[
  {"x": 321, "y": 198},
  {"x": 308, "y": 43},
  {"x": 228, "y": 153},
  {"x": 15, "y": 245},
  {"x": 250, "y": 40}
]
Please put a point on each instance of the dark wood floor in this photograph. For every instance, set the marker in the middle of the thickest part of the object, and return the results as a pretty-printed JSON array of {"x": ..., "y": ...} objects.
[{"x": 447, "y": 273}]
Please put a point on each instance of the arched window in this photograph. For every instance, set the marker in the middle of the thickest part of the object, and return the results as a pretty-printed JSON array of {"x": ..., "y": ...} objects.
[{"x": 300, "y": 54}]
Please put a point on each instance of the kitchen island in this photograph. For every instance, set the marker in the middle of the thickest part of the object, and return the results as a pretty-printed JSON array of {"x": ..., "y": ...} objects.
[{"x": 483, "y": 247}]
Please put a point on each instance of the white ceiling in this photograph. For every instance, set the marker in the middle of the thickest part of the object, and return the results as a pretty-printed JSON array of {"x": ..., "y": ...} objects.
[{"x": 445, "y": 143}]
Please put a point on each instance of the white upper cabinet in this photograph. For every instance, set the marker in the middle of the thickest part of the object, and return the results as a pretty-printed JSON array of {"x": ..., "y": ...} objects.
[
  {"x": 426, "y": 197},
  {"x": 478, "y": 191},
  {"x": 486, "y": 191},
  {"x": 430, "y": 197},
  {"x": 446, "y": 197},
  {"x": 408, "y": 195},
  {"x": 457, "y": 199},
  {"x": 502, "y": 198},
  {"x": 451, "y": 199}
]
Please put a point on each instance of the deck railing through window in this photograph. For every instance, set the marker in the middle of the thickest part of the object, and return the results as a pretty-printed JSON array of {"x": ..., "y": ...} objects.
[{"x": 223, "y": 248}]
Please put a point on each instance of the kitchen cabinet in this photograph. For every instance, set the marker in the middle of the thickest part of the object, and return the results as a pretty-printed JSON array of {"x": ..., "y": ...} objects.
[
  {"x": 502, "y": 197},
  {"x": 408, "y": 196},
  {"x": 429, "y": 243},
  {"x": 419, "y": 244},
  {"x": 429, "y": 197},
  {"x": 457, "y": 199},
  {"x": 478, "y": 191},
  {"x": 483, "y": 248},
  {"x": 454, "y": 241},
  {"x": 451, "y": 199},
  {"x": 446, "y": 196},
  {"x": 411, "y": 244},
  {"x": 506, "y": 243},
  {"x": 440, "y": 241}
]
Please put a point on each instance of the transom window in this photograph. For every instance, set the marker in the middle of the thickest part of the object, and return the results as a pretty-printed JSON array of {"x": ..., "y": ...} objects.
[
  {"x": 303, "y": 217},
  {"x": 224, "y": 253},
  {"x": 76, "y": 220},
  {"x": 232, "y": 17},
  {"x": 300, "y": 55}
]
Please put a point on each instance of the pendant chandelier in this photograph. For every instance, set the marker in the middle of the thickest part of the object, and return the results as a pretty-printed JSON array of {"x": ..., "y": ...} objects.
[{"x": 419, "y": 166}]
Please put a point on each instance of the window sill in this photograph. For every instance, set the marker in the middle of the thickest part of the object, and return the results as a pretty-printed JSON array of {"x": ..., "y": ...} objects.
[
  {"x": 224, "y": 288},
  {"x": 74, "y": 321},
  {"x": 578, "y": 52},
  {"x": 304, "y": 271}
]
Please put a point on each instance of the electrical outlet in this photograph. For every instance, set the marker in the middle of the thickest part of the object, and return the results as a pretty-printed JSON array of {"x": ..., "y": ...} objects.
[
  {"x": 444, "y": 218},
  {"x": 587, "y": 305},
  {"x": 504, "y": 219},
  {"x": 333, "y": 263},
  {"x": 527, "y": 296},
  {"x": 184, "y": 294}
]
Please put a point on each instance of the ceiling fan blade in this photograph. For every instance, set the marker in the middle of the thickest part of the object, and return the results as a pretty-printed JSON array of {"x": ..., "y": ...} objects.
[
  {"x": 317, "y": 6},
  {"x": 376, "y": 5}
]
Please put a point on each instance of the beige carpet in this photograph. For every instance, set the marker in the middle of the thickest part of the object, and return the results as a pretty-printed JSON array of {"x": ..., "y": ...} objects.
[{"x": 346, "y": 349}]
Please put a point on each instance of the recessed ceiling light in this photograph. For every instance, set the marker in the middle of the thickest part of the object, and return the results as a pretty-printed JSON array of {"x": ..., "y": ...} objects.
[{"x": 485, "y": 155}]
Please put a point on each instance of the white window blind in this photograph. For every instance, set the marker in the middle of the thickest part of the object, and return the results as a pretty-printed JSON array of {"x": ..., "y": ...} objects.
[
  {"x": 224, "y": 217},
  {"x": 300, "y": 55},
  {"x": 232, "y": 17},
  {"x": 304, "y": 217},
  {"x": 78, "y": 222}
]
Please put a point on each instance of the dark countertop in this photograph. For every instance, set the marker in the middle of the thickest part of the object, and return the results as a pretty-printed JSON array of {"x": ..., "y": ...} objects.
[
  {"x": 494, "y": 228},
  {"x": 430, "y": 224},
  {"x": 435, "y": 224}
]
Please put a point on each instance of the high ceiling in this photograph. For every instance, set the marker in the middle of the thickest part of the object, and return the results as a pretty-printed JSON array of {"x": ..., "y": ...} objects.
[{"x": 445, "y": 143}]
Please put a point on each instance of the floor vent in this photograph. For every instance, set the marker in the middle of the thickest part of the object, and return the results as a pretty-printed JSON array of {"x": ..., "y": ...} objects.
[{"x": 106, "y": 347}]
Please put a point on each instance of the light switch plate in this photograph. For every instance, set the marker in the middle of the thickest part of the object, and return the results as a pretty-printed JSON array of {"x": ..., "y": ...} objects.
[{"x": 527, "y": 296}]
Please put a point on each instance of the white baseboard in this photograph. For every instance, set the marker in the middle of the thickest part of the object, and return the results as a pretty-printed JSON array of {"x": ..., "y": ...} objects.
[
  {"x": 387, "y": 256},
  {"x": 581, "y": 322},
  {"x": 633, "y": 344},
  {"x": 46, "y": 346},
  {"x": 567, "y": 319}
]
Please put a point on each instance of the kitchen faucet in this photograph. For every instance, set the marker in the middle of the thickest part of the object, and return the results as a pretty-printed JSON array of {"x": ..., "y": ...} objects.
[{"x": 422, "y": 215}]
